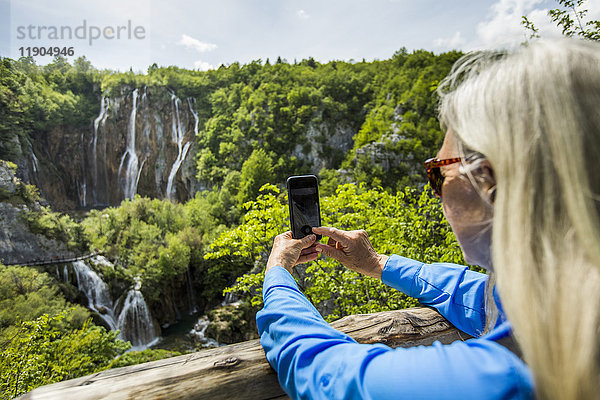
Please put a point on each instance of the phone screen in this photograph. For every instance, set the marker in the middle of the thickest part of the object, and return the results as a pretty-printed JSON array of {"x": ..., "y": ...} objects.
[{"x": 303, "y": 196}]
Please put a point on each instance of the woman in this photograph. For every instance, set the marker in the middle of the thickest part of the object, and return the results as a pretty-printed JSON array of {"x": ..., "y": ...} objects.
[{"x": 518, "y": 179}]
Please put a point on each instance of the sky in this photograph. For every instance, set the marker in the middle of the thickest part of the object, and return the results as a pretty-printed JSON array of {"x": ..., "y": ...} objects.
[{"x": 134, "y": 34}]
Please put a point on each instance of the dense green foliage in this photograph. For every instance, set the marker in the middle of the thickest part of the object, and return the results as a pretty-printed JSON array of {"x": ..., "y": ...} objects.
[
  {"x": 42, "y": 351},
  {"x": 36, "y": 99},
  {"x": 138, "y": 357},
  {"x": 26, "y": 294},
  {"x": 159, "y": 241},
  {"x": 409, "y": 223},
  {"x": 43, "y": 338}
]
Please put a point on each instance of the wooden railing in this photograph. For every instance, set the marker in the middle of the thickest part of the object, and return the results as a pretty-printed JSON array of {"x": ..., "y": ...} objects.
[{"x": 240, "y": 371}]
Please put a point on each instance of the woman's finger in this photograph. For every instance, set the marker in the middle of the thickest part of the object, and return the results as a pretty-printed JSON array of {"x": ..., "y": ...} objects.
[
  {"x": 307, "y": 258},
  {"x": 308, "y": 250},
  {"x": 331, "y": 251},
  {"x": 334, "y": 233}
]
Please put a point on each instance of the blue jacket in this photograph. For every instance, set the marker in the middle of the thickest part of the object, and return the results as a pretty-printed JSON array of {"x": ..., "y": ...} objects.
[{"x": 315, "y": 361}]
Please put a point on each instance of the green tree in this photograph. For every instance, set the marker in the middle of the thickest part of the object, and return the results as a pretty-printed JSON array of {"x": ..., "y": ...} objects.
[
  {"x": 571, "y": 18},
  {"x": 26, "y": 294},
  {"x": 256, "y": 171},
  {"x": 41, "y": 352}
]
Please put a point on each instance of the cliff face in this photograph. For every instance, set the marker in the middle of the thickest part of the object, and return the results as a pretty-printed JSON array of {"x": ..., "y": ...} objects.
[
  {"x": 144, "y": 142},
  {"x": 141, "y": 142},
  {"x": 18, "y": 242}
]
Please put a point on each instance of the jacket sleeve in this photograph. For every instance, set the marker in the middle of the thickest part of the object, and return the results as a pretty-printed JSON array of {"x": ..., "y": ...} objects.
[
  {"x": 315, "y": 361},
  {"x": 455, "y": 291}
]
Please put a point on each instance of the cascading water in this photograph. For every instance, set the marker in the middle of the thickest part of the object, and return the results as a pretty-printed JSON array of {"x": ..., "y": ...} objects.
[
  {"x": 178, "y": 133},
  {"x": 135, "y": 322},
  {"x": 98, "y": 122},
  {"x": 195, "y": 114},
  {"x": 190, "y": 289},
  {"x": 131, "y": 172},
  {"x": 82, "y": 186},
  {"x": 230, "y": 299},
  {"x": 34, "y": 162},
  {"x": 199, "y": 333},
  {"x": 96, "y": 292}
]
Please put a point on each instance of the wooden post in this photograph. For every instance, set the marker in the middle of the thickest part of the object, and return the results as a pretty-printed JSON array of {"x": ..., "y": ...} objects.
[{"x": 240, "y": 371}]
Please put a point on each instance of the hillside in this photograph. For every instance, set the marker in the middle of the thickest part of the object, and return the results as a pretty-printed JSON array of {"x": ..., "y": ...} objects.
[{"x": 90, "y": 138}]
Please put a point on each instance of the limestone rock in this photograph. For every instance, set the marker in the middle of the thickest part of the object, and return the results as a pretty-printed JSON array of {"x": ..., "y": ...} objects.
[{"x": 18, "y": 244}]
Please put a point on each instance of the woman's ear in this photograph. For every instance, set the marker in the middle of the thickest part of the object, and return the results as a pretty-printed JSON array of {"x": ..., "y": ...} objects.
[{"x": 487, "y": 180}]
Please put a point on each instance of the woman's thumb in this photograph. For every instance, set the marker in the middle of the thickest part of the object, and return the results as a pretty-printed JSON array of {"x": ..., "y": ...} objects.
[{"x": 308, "y": 240}]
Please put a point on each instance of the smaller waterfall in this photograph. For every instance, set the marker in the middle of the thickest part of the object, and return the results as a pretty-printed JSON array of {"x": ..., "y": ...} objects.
[
  {"x": 199, "y": 333},
  {"x": 82, "y": 191},
  {"x": 34, "y": 162},
  {"x": 82, "y": 187},
  {"x": 131, "y": 171},
  {"x": 191, "y": 295},
  {"x": 178, "y": 133},
  {"x": 231, "y": 299},
  {"x": 98, "y": 122},
  {"x": 195, "y": 114},
  {"x": 96, "y": 292},
  {"x": 135, "y": 322}
]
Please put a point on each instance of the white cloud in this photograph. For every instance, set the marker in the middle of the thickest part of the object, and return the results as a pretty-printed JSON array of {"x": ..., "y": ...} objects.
[
  {"x": 196, "y": 44},
  {"x": 302, "y": 14},
  {"x": 454, "y": 42},
  {"x": 202, "y": 65},
  {"x": 502, "y": 28}
]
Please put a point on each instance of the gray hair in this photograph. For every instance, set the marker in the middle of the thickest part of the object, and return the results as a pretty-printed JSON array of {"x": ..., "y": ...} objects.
[{"x": 535, "y": 116}]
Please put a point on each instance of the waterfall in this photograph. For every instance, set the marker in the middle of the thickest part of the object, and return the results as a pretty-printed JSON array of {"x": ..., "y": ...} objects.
[
  {"x": 230, "y": 299},
  {"x": 195, "y": 114},
  {"x": 82, "y": 192},
  {"x": 96, "y": 292},
  {"x": 131, "y": 172},
  {"x": 135, "y": 322},
  {"x": 191, "y": 296},
  {"x": 34, "y": 162},
  {"x": 177, "y": 134},
  {"x": 99, "y": 121},
  {"x": 199, "y": 333},
  {"x": 82, "y": 187}
]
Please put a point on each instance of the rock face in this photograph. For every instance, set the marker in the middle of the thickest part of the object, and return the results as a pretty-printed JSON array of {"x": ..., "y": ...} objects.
[
  {"x": 18, "y": 244},
  {"x": 141, "y": 142},
  {"x": 325, "y": 146}
]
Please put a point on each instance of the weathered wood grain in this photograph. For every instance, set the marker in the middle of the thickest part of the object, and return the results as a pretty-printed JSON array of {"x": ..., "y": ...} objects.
[{"x": 240, "y": 371}]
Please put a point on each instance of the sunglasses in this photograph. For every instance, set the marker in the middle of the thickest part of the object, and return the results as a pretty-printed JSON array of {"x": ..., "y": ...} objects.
[{"x": 436, "y": 179}]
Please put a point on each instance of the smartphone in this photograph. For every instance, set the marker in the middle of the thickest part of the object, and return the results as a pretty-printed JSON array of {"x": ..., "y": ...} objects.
[{"x": 303, "y": 199}]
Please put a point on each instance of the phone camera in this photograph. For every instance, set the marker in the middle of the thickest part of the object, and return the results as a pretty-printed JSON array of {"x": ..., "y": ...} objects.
[{"x": 306, "y": 229}]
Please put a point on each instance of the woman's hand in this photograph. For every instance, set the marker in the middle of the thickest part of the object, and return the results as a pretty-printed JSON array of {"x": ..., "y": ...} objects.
[
  {"x": 289, "y": 252},
  {"x": 353, "y": 249}
]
